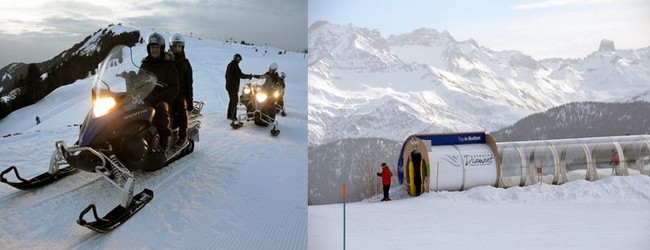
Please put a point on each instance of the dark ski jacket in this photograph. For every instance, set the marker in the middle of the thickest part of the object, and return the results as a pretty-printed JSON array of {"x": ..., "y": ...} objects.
[
  {"x": 233, "y": 74},
  {"x": 275, "y": 78},
  {"x": 386, "y": 175},
  {"x": 165, "y": 71},
  {"x": 185, "y": 78}
]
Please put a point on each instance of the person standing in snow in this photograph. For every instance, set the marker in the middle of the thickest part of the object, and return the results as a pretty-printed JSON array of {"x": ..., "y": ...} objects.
[
  {"x": 386, "y": 176},
  {"x": 614, "y": 162},
  {"x": 167, "y": 89},
  {"x": 233, "y": 74},
  {"x": 38, "y": 120},
  {"x": 184, "y": 100}
]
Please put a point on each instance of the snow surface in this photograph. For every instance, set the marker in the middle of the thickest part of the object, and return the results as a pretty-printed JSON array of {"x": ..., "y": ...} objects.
[
  {"x": 612, "y": 213},
  {"x": 239, "y": 189}
]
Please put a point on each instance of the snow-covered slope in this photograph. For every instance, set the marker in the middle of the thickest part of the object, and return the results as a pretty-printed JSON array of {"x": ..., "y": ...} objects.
[
  {"x": 611, "y": 213},
  {"x": 239, "y": 189},
  {"x": 363, "y": 85}
]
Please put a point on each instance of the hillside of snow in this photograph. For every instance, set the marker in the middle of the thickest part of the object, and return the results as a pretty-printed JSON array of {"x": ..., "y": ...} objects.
[
  {"x": 363, "y": 85},
  {"x": 239, "y": 189},
  {"x": 611, "y": 213}
]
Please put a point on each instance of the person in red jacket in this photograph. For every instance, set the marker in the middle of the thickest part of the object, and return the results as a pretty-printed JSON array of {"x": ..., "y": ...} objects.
[
  {"x": 386, "y": 176},
  {"x": 614, "y": 162}
]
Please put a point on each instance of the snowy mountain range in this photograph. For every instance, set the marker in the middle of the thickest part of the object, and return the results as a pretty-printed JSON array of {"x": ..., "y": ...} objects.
[{"x": 364, "y": 85}]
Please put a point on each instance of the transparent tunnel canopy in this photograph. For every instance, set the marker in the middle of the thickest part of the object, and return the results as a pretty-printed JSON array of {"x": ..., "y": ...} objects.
[
  {"x": 574, "y": 158},
  {"x": 559, "y": 161},
  {"x": 513, "y": 161}
]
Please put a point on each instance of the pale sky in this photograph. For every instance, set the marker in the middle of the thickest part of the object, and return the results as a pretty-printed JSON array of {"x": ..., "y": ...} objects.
[
  {"x": 37, "y": 30},
  {"x": 540, "y": 28}
]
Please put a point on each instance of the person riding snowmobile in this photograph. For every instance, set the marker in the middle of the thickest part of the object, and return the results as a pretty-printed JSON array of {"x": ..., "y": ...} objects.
[
  {"x": 184, "y": 101},
  {"x": 166, "y": 90},
  {"x": 273, "y": 73},
  {"x": 277, "y": 80}
]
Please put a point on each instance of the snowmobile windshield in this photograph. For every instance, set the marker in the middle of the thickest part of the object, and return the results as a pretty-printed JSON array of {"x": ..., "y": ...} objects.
[{"x": 118, "y": 82}]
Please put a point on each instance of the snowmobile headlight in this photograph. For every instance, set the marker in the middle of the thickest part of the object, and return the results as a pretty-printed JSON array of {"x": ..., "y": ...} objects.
[
  {"x": 247, "y": 90},
  {"x": 102, "y": 105},
  {"x": 276, "y": 94},
  {"x": 261, "y": 97}
]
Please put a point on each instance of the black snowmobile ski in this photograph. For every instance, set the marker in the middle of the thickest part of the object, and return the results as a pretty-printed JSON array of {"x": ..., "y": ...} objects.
[
  {"x": 118, "y": 215},
  {"x": 38, "y": 181}
]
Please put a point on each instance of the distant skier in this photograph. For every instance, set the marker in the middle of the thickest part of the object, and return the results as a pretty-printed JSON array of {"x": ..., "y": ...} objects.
[
  {"x": 386, "y": 176},
  {"x": 38, "y": 120},
  {"x": 614, "y": 162},
  {"x": 233, "y": 74},
  {"x": 184, "y": 101}
]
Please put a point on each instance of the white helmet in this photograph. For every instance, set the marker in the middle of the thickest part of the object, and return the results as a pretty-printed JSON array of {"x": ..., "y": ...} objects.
[
  {"x": 273, "y": 67},
  {"x": 176, "y": 38}
]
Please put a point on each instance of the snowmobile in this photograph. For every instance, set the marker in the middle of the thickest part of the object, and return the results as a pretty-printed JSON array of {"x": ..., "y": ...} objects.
[
  {"x": 116, "y": 138},
  {"x": 258, "y": 102}
]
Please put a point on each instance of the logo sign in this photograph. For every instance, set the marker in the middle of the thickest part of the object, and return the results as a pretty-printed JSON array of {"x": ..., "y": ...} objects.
[
  {"x": 453, "y": 160},
  {"x": 471, "y": 138},
  {"x": 454, "y": 139},
  {"x": 478, "y": 160},
  {"x": 135, "y": 114},
  {"x": 475, "y": 160}
]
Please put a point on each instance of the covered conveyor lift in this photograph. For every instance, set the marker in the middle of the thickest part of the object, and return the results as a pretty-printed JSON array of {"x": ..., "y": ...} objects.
[{"x": 459, "y": 161}]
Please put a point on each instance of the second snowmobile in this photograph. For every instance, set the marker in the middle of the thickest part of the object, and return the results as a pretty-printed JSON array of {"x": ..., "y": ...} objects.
[
  {"x": 259, "y": 101},
  {"x": 116, "y": 138}
]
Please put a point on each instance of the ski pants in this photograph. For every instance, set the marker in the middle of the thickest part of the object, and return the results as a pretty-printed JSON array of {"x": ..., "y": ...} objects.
[
  {"x": 232, "y": 104},
  {"x": 180, "y": 107},
  {"x": 161, "y": 119},
  {"x": 386, "y": 189}
]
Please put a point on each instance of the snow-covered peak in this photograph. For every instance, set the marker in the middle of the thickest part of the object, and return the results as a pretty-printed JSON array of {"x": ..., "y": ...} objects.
[
  {"x": 349, "y": 47},
  {"x": 606, "y": 45},
  {"x": 91, "y": 45},
  {"x": 422, "y": 36}
]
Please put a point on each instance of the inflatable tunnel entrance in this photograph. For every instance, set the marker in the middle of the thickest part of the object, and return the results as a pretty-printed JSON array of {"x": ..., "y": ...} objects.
[{"x": 452, "y": 161}]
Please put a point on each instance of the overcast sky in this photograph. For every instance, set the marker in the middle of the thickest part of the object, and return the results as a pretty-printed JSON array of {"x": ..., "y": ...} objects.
[
  {"x": 37, "y": 30},
  {"x": 540, "y": 28}
]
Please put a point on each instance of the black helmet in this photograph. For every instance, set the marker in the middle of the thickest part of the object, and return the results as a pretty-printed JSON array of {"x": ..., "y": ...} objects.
[
  {"x": 237, "y": 57},
  {"x": 156, "y": 38}
]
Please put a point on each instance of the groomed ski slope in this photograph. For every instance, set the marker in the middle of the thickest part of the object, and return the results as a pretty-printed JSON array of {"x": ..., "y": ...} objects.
[
  {"x": 612, "y": 213},
  {"x": 239, "y": 189}
]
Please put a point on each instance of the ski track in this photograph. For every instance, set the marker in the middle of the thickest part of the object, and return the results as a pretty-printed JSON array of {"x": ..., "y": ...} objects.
[{"x": 210, "y": 172}]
